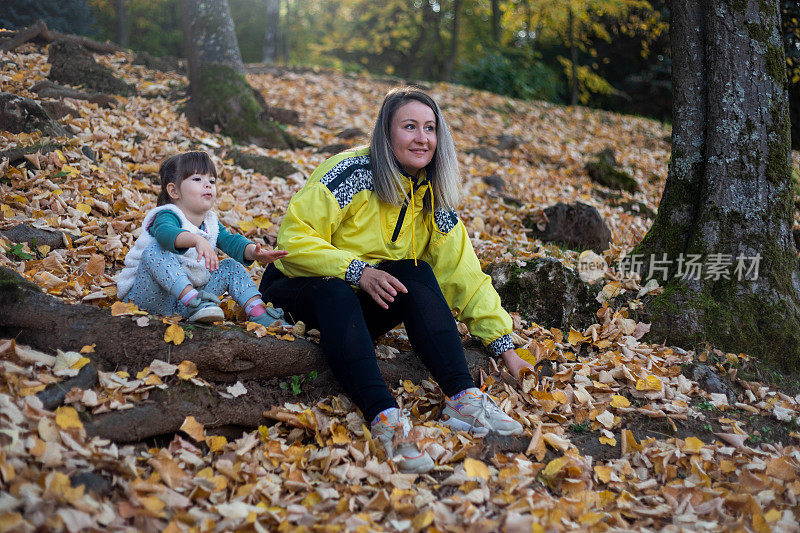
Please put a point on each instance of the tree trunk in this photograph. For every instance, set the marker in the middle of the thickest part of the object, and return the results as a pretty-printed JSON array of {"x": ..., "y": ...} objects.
[
  {"x": 122, "y": 23},
  {"x": 727, "y": 204},
  {"x": 496, "y": 16},
  {"x": 221, "y": 98},
  {"x": 272, "y": 32},
  {"x": 452, "y": 59},
  {"x": 573, "y": 51},
  {"x": 286, "y": 33}
]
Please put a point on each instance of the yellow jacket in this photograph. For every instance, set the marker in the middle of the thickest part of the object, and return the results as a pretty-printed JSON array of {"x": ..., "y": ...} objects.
[{"x": 336, "y": 226}]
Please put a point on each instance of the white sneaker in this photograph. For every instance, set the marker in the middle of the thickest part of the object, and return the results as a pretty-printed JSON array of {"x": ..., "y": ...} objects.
[
  {"x": 207, "y": 312},
  {"x": 394, "y": 431},
  {"x": 476, "y": 412}
]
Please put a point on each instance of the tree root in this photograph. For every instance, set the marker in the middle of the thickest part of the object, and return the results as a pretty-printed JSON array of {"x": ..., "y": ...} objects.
[
  {"x": 39, "y": 31},
  {"x": 53, "y": 396},
  {"x": 48, "y": 89},
  {"x": 221, "y": 355}
]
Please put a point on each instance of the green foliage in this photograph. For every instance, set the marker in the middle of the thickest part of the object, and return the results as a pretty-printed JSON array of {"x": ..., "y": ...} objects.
[
  {"x": 297, "y": 382},
  {"x": 68, "y": 16},
  {"x": 583, "y": 427},
  {"x": 517, "y": 74},
  {"x": 18, "y": 251},
  {"x": 248, "y": 17},
  {"x": 154, "y": 26}
]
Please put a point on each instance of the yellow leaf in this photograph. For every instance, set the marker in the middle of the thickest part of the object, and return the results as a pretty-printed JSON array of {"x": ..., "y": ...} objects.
[
  {"x": 262, "y": 222},
  {"x": 216, "y": 443},
  {"x": 7, "y": 211},
  {"x": 187, "y": 370},
  {"x": 590, "y": 519},
  {"x": 125, "y": 308},
  {"x": 575, "y": 337},
  {"x": 174, "y": 334},
  {"x": 89, "y": 348},
  {"x": 559, "y": 396},
  {"x": 773, "y": 515},
  {"x": 476, "y": 468},
  {"x": 629, "y": 443},
  {"x": 104, "y": 191},
  {"x": 84, "y": 208},
  {"x": 193, "y": 428},
  {"x": 649, "y": 383},
  {"x": 70, "y": 170},
  {"x": 311, "y": 500},
  {"x": 60, "y": 155},
  {"x": 421, "y": 521},
  {"x": 526, "y": 355},
  {"x": 246, "y": 225},
  {"x": 693, "y": 445},
  {"x": 611, "y": 441},
  {"x": 67, "y": 418},
  {"x": 620, "y": 401},
  {"x": 603, "y": 473},
  {"x": 152, "y": 504},
  {"x": 80, "y": 363},
  {"x": 153, "y": 380},
  {"x": 554, "y": 467}
]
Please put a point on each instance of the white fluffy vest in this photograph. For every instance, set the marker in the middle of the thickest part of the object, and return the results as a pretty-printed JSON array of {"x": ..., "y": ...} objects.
[{"x": 196, "y": 270}]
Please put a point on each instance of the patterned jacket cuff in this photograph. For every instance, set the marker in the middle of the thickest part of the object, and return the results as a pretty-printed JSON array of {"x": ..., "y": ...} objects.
[
  {"x": 498, "y": 346},
  {"x": 354, "y": 271}
]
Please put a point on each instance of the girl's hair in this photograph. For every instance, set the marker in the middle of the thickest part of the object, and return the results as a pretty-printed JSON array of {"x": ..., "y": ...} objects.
[
  {"x": 443, "y": 168},
  {"x": 178, "y": 167}
]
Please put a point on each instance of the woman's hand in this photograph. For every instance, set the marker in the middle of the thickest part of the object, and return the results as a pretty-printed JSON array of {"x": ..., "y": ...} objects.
[
  {"x": 515, "y": 363},
  {"x": 382, "y": 286},
  {"x": 206, "y": 252},
  {"x": 254, "y": 252}
]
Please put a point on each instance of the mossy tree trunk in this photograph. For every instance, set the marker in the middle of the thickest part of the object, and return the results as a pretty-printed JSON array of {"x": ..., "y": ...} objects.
[
  {"x": 728, "y": 194},
  {"x": 221, "y": 98}
]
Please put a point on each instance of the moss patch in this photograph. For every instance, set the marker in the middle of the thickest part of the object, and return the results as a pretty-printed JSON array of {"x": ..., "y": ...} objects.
[
  {"x": 13, "y": 287},
  {"x": 603, "y": 169}
]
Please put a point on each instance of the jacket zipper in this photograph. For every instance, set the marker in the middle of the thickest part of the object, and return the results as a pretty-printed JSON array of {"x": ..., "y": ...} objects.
[{"x": 400, "y": 218}]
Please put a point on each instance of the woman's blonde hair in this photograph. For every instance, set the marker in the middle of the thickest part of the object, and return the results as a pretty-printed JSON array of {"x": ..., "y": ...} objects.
[{"x": 442, "y": 171}]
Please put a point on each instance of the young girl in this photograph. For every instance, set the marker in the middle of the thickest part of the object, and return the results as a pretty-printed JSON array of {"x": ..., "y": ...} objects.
[{"x": 173, "y": 267}]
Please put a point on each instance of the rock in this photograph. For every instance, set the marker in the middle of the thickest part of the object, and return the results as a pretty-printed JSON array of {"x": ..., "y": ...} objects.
[
  {"x": 263, "y": 164},
  {"x": 164, "y": 64},
  {"x": 351, "y": 133},
  {"x": 35, "y": 236},
  {"x": 88, "y": 152},
  {"x": 495, "y": 181},
  {"x": 23, "y": 115},
  {"x": 59, "y": 110},
  {"x": 578, "y": 226},
  {"x": 284, "y": 116},
  {"x": 710, "y": 382},
  {"x": 485, "y": 153},
  {"x": 74, "y": 65},
  {"x": 603, "y": 169},
  {"x": 92, "y": 482},
  {"x": 508, "y": 142},
  {"x": 48, "y": 89},
  {"x": 334, "y": 148},
  {"x": 17, "y": 154},
  {"x": 545, "y": 292}
]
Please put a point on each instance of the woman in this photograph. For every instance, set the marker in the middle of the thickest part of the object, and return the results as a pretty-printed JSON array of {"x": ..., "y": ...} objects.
[{"x": 381, "y": 219}]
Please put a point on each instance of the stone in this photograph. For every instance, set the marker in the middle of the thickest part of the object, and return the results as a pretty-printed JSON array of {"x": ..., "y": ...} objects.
[
  {"x": 92, "y": 482},
  {"x": 164, "y": 64},
  {"x": 351, "y": 133},
  {"x": 495, "y": 182},
  {"x": 578, "y": 226},
  {"x": 508, "y": 142},
  {"x": 604, "y": 170},
  {"x": 334, "y": 148},
  {"x": 263, "y": 164},
  {"x": 283, "y": 116},
  {"x": 546, "y": 292},
  {"x": 73, "y": 64},
  {"x": 23, "y": 115},
  {"x": 485, "y": 153}
]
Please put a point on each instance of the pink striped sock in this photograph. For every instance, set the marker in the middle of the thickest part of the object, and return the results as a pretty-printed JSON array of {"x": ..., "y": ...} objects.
[
  {"x": 186, "y": 298},
  {"x": 256, "y": 308}
]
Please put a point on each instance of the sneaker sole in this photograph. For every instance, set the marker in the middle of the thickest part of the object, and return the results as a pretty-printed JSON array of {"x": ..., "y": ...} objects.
[
  {"x": 460, "y": 425},
  {"x": 208, "y": 315}
]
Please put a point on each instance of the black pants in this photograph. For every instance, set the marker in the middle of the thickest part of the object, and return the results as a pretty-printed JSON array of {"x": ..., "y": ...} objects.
[{"x": 349, "y": 322}]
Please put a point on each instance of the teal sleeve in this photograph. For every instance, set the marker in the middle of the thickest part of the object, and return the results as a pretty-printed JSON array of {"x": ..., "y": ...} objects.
[
  {"x": 233, "y": 244},
  {"x": 166, "y": 226}
]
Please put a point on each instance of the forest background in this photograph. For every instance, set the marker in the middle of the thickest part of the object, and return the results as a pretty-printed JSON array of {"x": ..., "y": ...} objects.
[{"x": 609, "y": 54}]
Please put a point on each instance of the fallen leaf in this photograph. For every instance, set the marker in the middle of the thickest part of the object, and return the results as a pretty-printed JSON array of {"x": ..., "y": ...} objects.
[{"x": 174, "y": 334}]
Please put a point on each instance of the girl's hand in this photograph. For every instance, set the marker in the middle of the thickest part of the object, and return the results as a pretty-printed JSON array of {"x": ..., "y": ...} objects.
[
  {"x": 207, "y": 253},
  {"x": 515, "y": 363},
  {"x": 262, "y": 255},
  {"x": 382, "y": 286}
]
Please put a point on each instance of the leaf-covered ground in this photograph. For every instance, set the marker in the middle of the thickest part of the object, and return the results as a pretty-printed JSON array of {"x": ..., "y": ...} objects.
[{"x": 617, "y": 436}]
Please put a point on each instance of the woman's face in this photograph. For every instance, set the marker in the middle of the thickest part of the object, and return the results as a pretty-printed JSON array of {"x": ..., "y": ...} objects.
[{"x": 413, "y": 135}]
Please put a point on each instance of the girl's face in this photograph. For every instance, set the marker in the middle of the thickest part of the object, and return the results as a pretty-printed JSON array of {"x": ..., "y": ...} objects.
[
  {"x": 196, "y": 194},
  {"x": 413, "y": 136}
]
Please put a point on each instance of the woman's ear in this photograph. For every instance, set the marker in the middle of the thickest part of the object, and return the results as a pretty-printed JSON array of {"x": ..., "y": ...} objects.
[{"x": 173, "y": 191}]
